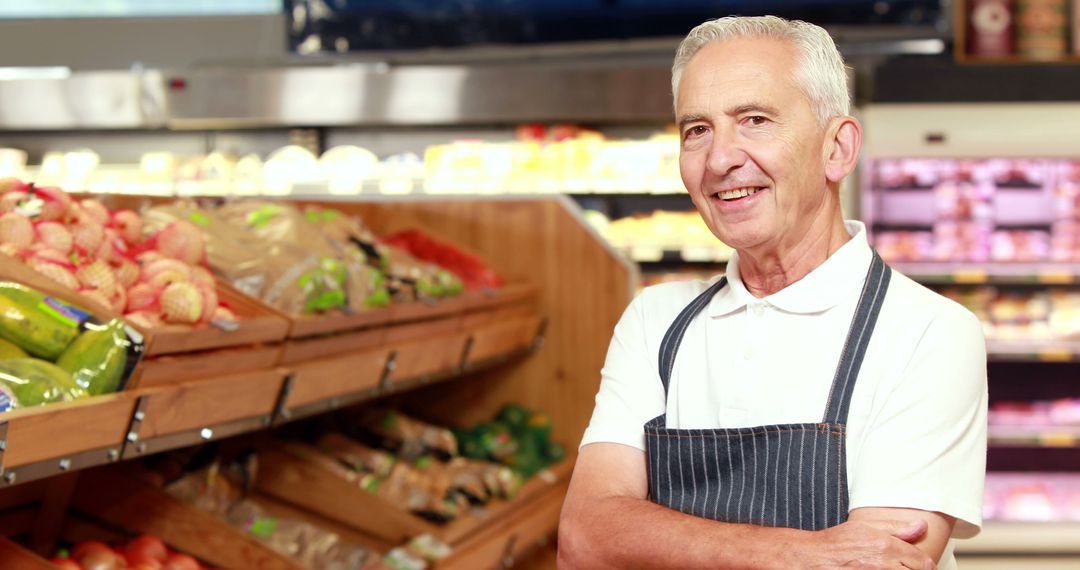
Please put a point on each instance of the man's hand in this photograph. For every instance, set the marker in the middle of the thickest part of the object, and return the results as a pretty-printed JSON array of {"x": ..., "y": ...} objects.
[{"x": 868, "y": 544}]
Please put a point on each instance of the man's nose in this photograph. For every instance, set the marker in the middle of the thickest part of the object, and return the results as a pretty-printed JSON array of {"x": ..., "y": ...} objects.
[{"x": 726, "y": 152}]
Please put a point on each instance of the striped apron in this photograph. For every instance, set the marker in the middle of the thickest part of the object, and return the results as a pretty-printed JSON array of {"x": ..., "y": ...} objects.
[{"x": 786, "y": 475}]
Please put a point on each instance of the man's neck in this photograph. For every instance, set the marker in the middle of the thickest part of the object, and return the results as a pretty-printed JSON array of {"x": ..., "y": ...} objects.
[{"x": 765, "y": 274}]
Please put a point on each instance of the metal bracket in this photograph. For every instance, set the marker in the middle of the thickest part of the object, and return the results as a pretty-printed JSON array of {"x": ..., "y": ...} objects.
[
  {"x": 388, "y": 369},
  {"x": 538, "y": 340},
  {"x": 506, "y": 560},
  {"x": 463, "y": 364},
  {"x": 132, "y": 445},
  {"x": 3, "y": 443},
  {"x": 281, "y": 413}
]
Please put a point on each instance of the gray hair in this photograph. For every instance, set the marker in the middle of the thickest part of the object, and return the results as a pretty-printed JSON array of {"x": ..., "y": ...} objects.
[{"x": 820, "y": 72}]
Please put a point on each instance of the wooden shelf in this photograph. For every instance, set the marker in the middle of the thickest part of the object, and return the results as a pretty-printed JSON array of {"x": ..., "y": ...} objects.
[
  {"x": 990, "y": 273},
  {"x": 1034, "y": 436},
  {"x": 48, "y": 440},
  {"x": 1049, "y": 350},
  {"x": 297, "y": 476},
  {"x": 1004, "y": 537},
  {"x": 573, "y": 290}
]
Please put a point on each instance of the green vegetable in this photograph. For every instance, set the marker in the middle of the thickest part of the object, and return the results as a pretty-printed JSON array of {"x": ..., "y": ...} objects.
[
  {"x": 40, "y": 325},
  {"x": 35, "y": 381},
  {"x": 9, "y": 349},
  {"x": 96, "y": 358},
  {"x": 513, "y": 415}
]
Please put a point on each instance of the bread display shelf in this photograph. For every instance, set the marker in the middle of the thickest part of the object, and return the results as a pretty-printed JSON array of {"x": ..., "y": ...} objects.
[{"x": 290, "y": 476}]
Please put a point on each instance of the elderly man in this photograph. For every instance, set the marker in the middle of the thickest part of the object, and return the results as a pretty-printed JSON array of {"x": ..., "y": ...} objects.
[{"x": 812, "y": 409}]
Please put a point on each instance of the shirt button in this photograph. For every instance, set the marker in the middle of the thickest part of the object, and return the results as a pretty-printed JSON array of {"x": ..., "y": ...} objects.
[
  {"x": 747, "y": 353},
  {"x": 759, "y": 309}
]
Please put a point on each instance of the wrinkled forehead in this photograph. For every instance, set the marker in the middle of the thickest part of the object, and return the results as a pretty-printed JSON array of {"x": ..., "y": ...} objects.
[{"x": 740, "y": 72}]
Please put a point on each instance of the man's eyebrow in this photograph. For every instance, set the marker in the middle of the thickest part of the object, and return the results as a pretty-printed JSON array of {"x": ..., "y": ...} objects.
[
  {"x": 754, "y": 108},
  {"x": 687, "y": 119}
]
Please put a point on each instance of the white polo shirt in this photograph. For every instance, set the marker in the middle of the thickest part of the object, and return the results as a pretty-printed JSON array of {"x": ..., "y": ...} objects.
[{"x": 917, "y": 422}]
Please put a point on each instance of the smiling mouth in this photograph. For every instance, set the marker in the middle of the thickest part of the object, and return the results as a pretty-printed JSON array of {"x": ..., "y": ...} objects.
[{"x": 738, "y": 193}]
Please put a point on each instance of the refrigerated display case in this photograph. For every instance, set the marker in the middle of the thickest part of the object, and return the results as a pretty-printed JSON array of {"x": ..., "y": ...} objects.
[{"x": 979, "y": 203}]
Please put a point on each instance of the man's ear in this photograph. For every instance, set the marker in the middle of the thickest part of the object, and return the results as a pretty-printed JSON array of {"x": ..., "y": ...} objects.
[{"x": 844, "y": 139}]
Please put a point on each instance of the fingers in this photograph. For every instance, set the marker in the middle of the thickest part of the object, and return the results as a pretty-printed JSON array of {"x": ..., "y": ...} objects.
[
  {"x": 908, "y": 532},
  {"x": 917, "y": 560}
]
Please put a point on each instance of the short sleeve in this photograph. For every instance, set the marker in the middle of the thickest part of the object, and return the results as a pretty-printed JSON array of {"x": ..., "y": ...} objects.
[
  {"x": 925, "y": 446},
  {"x": 630, "y": 390}
]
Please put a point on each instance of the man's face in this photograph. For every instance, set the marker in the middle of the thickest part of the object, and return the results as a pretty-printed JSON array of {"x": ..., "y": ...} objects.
[{"x": 752, "y": 152}]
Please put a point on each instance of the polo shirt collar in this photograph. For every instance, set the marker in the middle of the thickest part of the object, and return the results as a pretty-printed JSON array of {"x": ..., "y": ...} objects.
[{"x": 821, "y": 289}]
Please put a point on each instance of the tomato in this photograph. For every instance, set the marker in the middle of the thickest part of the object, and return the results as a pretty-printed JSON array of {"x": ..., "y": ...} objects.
[
  {"x": 179, "y": 561},
  {"x": 87, "y": 546},
  {"x": 147, "y": 565},
  {"x": 146, "y": 548},
  {"x": 102, "y": 560},
  {"x": 64, "y": 563}
]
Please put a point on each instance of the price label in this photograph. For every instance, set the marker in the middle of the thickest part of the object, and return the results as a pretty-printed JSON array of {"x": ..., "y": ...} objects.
[
  {"x": 1057, "y": 439},
  {"x": 1054, "y": 355},
  {"x": 1054, "y": 277},
  {"x": 970, "y": 276}
]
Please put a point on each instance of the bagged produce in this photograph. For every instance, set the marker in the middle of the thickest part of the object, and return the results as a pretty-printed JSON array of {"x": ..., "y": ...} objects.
[
  {"x": 409, "y": 278},
  {"x": 271, "y": 252},
  {"x": 362, "y": 285},
  {"x": 472, "y": 270},
  {"x": 34, "y": 382},
  {"x": 217, "y": 491},
  {"x": 355, "y": 455},
  {"x": 97, "y": 357},
  {"x": 408, "y": 437},
  {"x": 518, "y": 438},
  {"x": 53, "y": 351},
  {"x": 9, "y": 349},
  {"x": 42, "y": 326}
]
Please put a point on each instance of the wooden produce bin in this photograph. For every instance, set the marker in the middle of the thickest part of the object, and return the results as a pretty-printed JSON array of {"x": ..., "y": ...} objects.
[
  {"x": 179, "y": 353},
  {"x": 186, "y": 414},
  {"x": 563, "y": 277},
  {"x": 300, "y": 477},
  {"x": 127, "y": 501},
  {"x": 15, "y": 557}
]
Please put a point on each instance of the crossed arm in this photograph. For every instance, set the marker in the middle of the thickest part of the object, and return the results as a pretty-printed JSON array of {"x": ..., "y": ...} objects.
[{"x": 608, "y": 522}]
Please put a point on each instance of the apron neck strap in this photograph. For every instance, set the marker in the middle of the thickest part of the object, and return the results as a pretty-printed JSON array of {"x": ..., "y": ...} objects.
[
  {"x": 669, "y": 347},
  {"x": 862, "y": 328}
]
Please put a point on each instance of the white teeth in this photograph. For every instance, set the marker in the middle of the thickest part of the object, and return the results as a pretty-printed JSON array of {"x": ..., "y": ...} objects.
[{"x": 737, "y": 193}]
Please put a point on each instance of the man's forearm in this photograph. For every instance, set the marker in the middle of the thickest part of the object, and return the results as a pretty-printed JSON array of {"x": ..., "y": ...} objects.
[{"x": 633, "y": 533}]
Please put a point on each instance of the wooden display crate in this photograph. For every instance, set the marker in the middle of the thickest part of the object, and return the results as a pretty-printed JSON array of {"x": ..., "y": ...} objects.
[
  {"x": 400, "y": 357},
  {"x": 256, "y": 324},
  {"x": 193, "y": 412},
  {"x": 297, "y": 476},
  {"x": 15, "y": 557},
  {"x": 128, "y": 499},
  {"x": 500, "y": 546},
  {"x": 79, "y": 434},
  {"x": 312, "y": 337}
]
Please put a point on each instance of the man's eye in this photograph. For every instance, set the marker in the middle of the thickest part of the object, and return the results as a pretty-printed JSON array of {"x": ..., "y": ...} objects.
[
  {"x": 757, "y": 120},
  {"x": 695, "y": 131}
]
